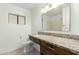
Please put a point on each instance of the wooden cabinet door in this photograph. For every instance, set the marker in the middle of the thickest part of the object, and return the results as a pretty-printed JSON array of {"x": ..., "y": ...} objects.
[
  {"x": 46, "y": 49},
  {"x": 54, "y": 49}
]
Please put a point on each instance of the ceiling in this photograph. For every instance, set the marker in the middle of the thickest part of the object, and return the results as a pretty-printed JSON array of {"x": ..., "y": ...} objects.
[{"x": 30, "y": 6}]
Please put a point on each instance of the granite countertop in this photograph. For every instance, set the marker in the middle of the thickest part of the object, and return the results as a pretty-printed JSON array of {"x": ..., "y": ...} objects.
[
  {"x": 68, "y": 35},
  {"x": 63, "y": 42},
  {"x": 59, "y": 32}
]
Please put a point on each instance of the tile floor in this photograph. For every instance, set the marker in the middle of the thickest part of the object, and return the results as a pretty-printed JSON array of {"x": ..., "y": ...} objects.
[{"x": 32, "y": 52}]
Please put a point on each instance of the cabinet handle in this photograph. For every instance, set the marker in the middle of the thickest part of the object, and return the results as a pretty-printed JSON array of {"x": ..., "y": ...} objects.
[{"x": 51, "y": 48}]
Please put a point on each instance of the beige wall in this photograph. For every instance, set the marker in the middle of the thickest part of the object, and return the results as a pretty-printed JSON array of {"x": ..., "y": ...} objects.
[
  {"x": 52, "y": 23},
  {"x": 10, "y": 33}
]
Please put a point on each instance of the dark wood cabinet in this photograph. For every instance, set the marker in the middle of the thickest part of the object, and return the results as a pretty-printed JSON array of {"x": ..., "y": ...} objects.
[{"x": 47, "y": 48}]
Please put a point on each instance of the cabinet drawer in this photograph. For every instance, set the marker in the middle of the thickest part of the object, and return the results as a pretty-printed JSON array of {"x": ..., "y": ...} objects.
[{"x": 46, "y": 44}]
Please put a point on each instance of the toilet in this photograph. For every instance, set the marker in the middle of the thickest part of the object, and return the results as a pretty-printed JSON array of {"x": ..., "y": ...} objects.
[{"x": 27, "y": 46}]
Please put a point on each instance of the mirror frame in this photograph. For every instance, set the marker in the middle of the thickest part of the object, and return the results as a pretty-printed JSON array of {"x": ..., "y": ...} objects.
[{"x": 62, "y": 5}]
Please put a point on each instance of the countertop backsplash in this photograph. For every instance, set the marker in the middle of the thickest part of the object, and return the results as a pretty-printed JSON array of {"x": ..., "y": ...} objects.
[{"x": 60, "y": 34}]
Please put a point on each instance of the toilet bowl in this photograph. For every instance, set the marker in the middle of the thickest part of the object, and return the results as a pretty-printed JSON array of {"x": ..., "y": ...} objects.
[{"x": 28, "y": 46}]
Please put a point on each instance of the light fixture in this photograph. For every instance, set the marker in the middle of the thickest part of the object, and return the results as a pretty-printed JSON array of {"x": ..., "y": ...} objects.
[{"x": 49, "y": 6}]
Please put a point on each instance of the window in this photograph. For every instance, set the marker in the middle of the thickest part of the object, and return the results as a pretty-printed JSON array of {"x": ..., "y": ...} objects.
[
  {"x": 21, "y": 20},
  {"x": 17, "y": 19}
]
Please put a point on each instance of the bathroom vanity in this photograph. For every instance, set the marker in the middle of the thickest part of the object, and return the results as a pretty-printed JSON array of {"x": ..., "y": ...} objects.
[
  {"x": 56, "y": 37},
  {"x": 56, "y": 45}
]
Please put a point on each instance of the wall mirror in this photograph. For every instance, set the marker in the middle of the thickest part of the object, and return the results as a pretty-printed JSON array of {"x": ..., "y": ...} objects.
[{"x": 57, "y": 19}]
